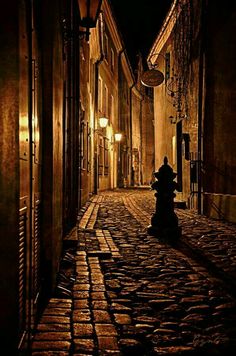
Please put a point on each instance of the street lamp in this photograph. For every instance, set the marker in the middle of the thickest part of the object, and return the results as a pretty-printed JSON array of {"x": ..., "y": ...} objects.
[
  {"x": 103, "y": 121},
  {"x": 118, "y": 137},
  {"x": 89, "y": 10}
]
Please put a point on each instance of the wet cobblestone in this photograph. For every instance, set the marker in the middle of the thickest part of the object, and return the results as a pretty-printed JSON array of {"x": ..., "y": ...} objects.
[{"x": 137, "y": 295}]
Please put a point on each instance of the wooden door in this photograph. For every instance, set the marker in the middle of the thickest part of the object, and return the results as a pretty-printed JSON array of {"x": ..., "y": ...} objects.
[
  {"x": 24, "y": 164},
  {"x": 30, "y": 173},
  {"x": 35, "y": 166}
]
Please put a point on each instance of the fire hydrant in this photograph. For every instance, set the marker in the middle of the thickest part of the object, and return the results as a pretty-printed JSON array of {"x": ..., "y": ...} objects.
[{"x": 164, "y": 222}]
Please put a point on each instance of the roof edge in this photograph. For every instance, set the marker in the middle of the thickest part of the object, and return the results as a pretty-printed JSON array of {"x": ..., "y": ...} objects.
[{"x": 164, "y": 34}]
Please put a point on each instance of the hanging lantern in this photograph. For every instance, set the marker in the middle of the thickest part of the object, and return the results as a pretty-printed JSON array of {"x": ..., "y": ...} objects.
[{"x": 89, "y": 10}]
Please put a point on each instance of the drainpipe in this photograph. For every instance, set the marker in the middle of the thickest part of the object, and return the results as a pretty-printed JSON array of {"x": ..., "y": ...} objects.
[
  {"x": 98, "y": 62},
  {"x": 120, "y": 182},
  {"x": 141, "y": 139},
  {"x": 75, "y": 94},
  {"x": 131, "y": 132},
  {"x": 201, "y": 84}
]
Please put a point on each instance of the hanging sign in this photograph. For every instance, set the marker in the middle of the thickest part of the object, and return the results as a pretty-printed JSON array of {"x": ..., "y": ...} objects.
[{"x": 152, "y": 78}]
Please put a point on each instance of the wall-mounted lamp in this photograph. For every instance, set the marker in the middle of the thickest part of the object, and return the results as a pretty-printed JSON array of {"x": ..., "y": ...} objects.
[
  {"x": 89, "y": 10},
  {"x": 118, "y": 137},
  {"x": 103, "y": 121}
]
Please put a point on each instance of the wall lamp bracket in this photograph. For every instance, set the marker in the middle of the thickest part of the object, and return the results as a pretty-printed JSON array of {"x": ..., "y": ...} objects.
[
  {"x": 69, "y": 34},
  {"x": 84, "y": 34}
]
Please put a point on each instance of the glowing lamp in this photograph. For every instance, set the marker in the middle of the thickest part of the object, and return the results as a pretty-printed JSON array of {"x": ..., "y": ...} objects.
[
  {"x": 89, "y": 10},
  {"x": 118, "y": 137},
  {"x": 103, "y": 121}
]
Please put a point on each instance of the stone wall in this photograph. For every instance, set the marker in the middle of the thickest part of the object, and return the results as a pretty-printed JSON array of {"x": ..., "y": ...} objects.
[{"x": 220, "y": 108}]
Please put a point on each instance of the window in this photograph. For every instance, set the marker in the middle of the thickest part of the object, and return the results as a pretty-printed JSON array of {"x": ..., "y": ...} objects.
[
  {"x": 106, "y": 157},
  {"x": 82, "y": 145},
  {"x": 173, "y": 150},
  {"x": 88, "y": 148},
  {"x": 167, "y": 66},
  {"x": 100, "y": 96},
  {"x": 91, "y": 74},
  {"x": 100, "y": 156},
  {"x": 112, "y": 60},
  {"x": 112, "y": 109},
  {"x": 186, "y": 146},
  {"x": 105, "y": 47},
  {"x": 106, "y": 100}
]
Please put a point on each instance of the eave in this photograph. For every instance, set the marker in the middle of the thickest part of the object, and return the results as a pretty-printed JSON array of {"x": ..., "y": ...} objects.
[
  {"x": 127, "y": 69},
  {"x": 111, "y": 24},
  {"x": 164, "y": 33}
]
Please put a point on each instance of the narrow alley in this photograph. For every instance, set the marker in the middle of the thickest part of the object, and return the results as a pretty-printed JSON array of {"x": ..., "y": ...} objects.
[
  {"x": 117, "y": 178},
  {"x": 134, "y": 294}
]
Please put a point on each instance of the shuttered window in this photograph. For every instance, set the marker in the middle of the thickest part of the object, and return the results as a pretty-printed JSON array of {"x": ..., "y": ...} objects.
[{"x": 22, "y": 272}]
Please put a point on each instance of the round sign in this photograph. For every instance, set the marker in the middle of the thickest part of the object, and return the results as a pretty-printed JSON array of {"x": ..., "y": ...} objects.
[{"x": 152, "y": 78}]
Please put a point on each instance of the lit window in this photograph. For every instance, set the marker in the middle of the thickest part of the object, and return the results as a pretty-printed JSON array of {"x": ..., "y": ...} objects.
[{"x": 173, "y": 149}]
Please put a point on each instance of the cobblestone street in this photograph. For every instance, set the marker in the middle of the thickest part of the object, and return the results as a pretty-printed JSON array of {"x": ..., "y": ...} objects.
[{"x": 134, "y": 294}]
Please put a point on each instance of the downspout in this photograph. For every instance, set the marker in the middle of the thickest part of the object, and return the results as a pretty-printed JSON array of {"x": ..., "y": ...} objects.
[
  {"x": 31, "y": 74},
  {"x": 131, "y": 134},
  {"x": 200, "y": 108},
  {"x": 97, "y": 63},
  {"x": 77, "y": 201},
  {"x": 141, "y": 139},
  {"x": 120, "y": 182}
]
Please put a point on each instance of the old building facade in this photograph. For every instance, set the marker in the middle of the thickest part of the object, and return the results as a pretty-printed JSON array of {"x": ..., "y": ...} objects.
[
  {"x": 55, "y": 87},
  {"x": 191, "y": 105},
  {"x": 107, "y": 101},
  {"x": 39, "y": 180},
  {"x": 146, "y": 126},
  {"x": 126, "y": 82}
]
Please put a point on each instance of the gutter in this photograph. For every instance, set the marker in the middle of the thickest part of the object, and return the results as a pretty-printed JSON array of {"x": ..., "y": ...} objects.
[
  {"x": 155, "y": 50},
  {"x": 97, "y": 63}
]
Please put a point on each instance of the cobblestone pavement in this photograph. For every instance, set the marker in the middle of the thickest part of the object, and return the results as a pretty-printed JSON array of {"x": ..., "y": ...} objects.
[{"x": 135, "y": 294}]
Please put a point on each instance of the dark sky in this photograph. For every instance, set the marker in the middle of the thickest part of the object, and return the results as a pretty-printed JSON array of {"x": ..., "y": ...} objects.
[{"x": 139, "y": 22}]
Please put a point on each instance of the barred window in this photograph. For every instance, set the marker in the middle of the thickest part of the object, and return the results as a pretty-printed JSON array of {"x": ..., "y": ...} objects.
[
  {"x": 106, "y": 156},
  {"x": 100, "y": 156}
]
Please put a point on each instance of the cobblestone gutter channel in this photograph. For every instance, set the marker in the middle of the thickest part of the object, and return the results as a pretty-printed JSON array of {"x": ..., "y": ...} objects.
[{"x": 134, "y": 294}]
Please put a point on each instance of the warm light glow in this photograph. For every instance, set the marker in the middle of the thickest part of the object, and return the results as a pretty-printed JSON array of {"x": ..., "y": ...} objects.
[
  {"x": 24, "y": 128},
  {"x": 118, "y": 137},
  {"x": 103, "y": 121}
]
